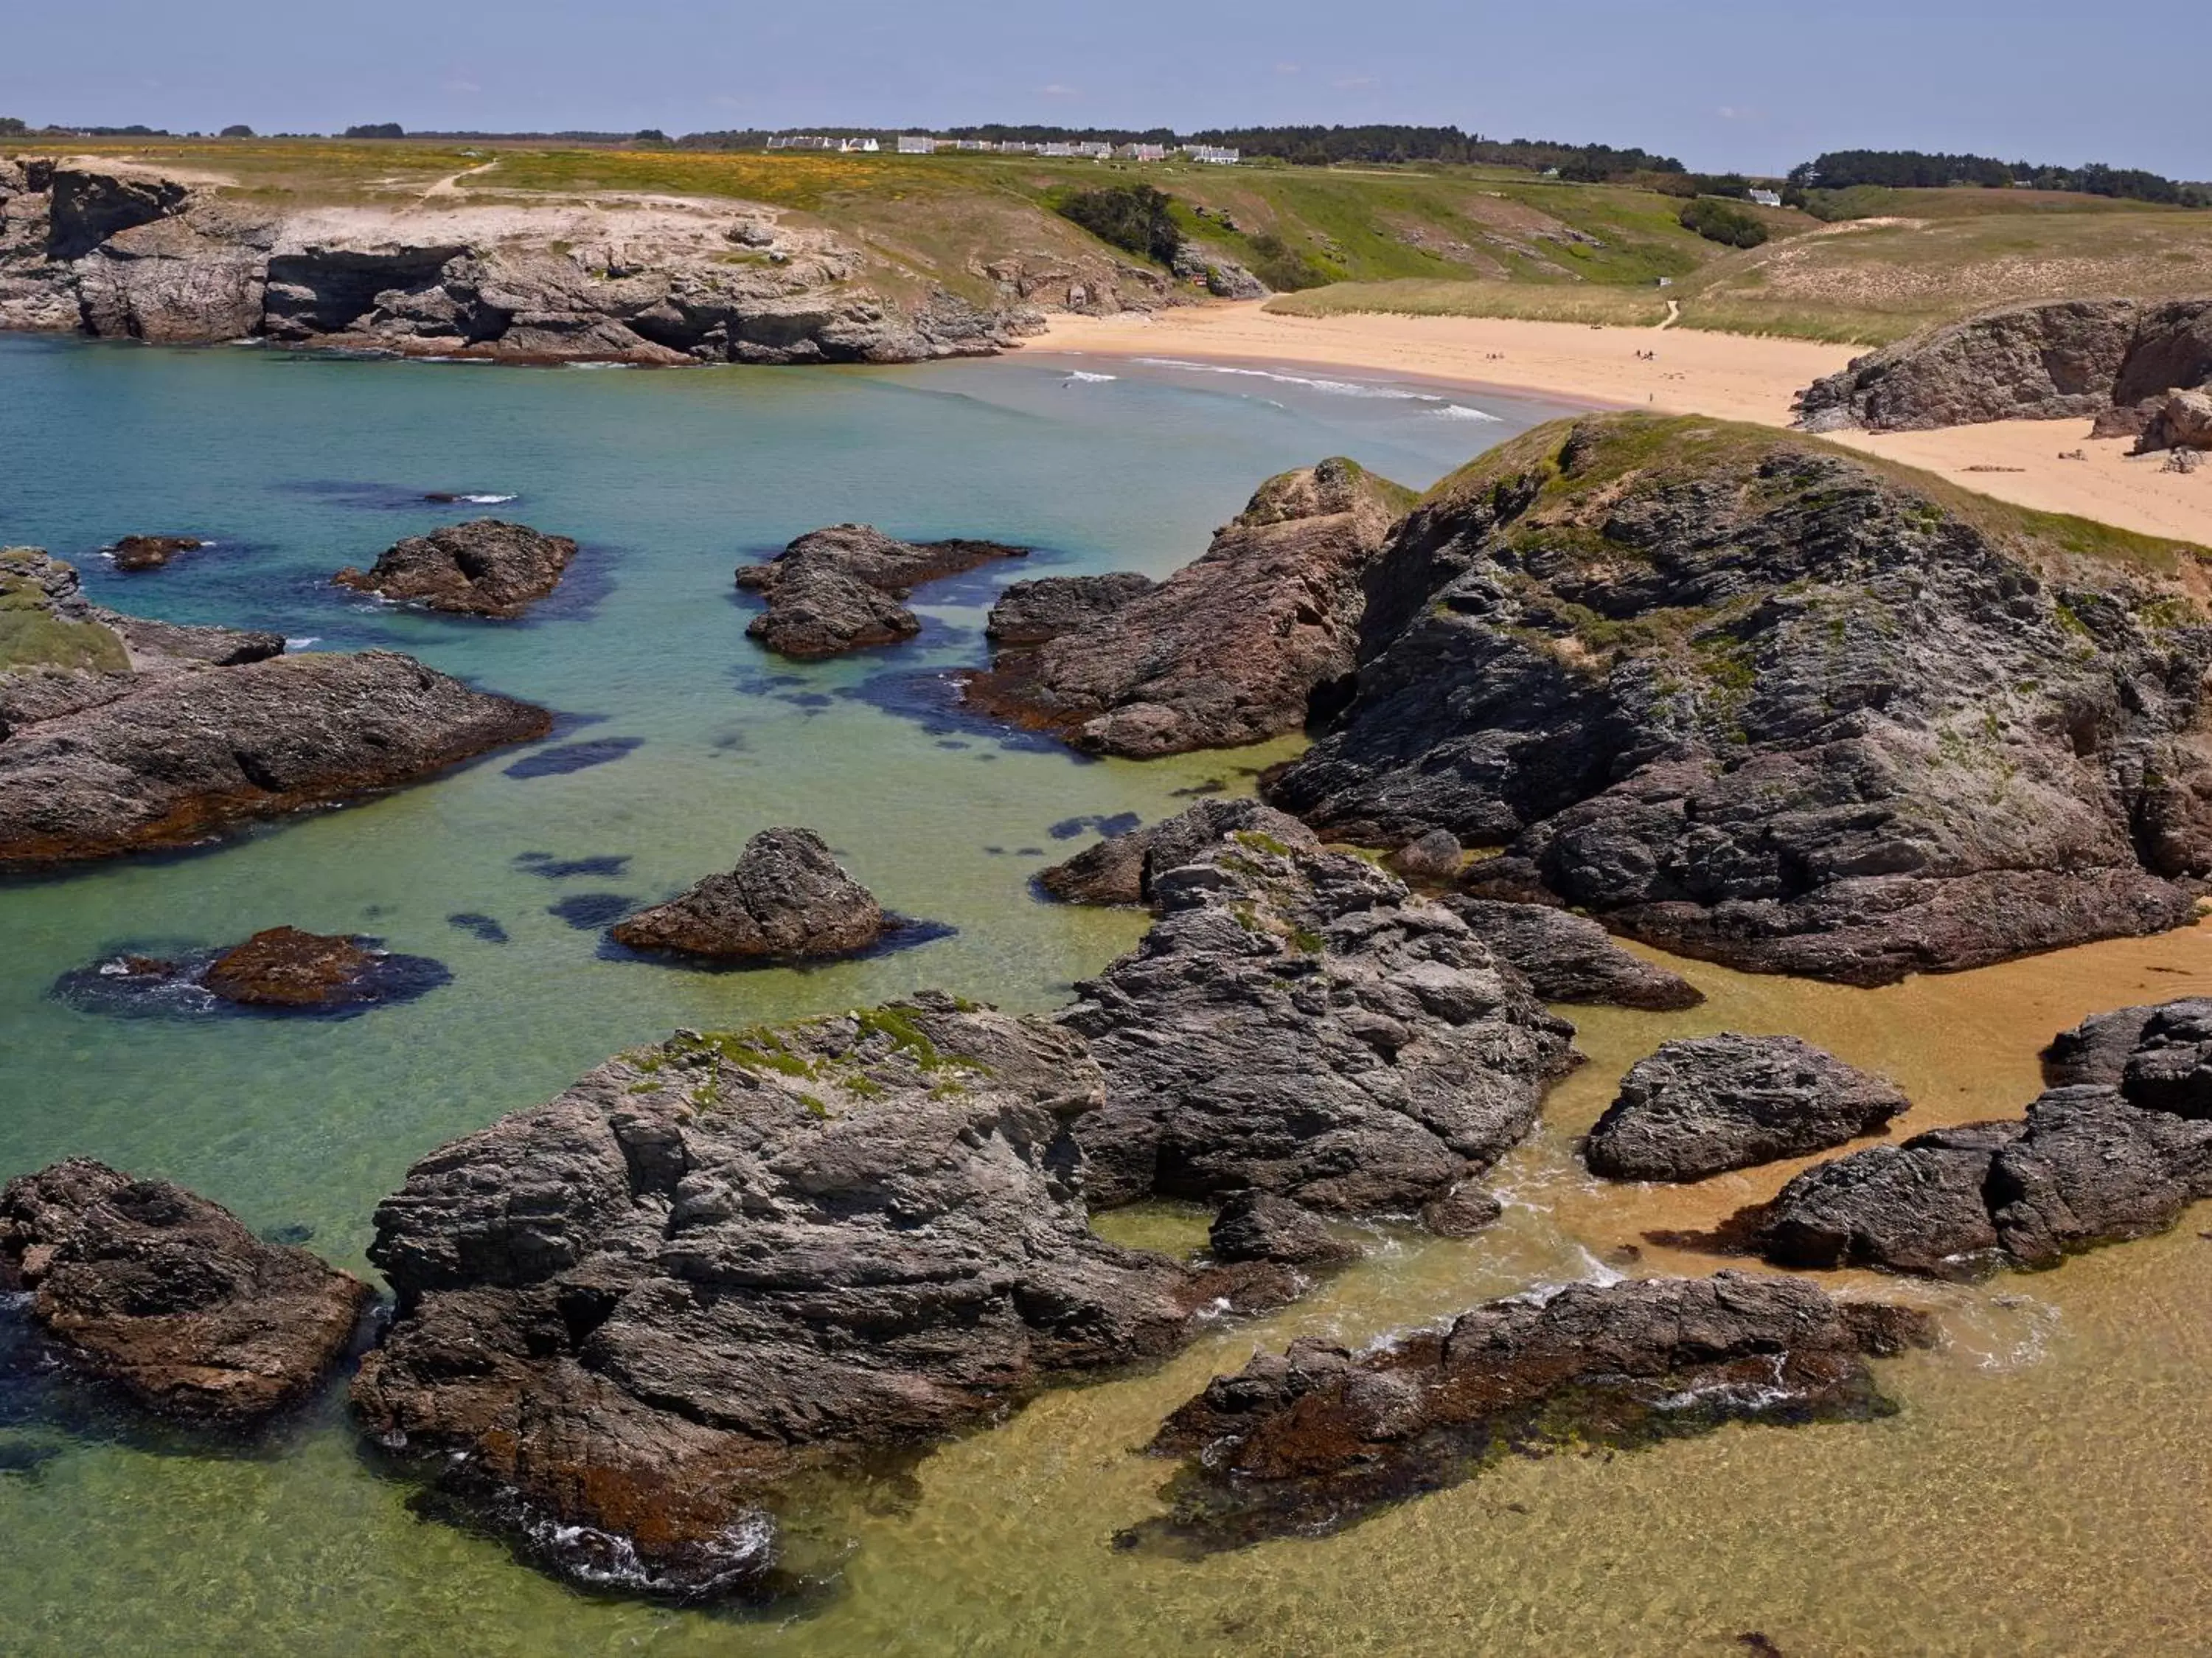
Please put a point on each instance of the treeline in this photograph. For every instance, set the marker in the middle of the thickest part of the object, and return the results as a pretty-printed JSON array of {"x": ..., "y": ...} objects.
[
  {"x": 1323, "y": 146},
  {"x": 1915, "y": 169}
]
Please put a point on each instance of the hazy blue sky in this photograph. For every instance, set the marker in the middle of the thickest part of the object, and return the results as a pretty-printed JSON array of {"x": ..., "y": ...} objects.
[{"x": 1719, "y": 82}]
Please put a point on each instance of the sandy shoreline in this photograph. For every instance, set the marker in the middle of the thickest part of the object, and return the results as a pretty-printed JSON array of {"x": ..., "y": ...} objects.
[{"x": 1729, "y": 376}]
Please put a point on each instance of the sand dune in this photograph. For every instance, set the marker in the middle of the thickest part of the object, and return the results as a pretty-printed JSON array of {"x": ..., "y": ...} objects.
[{"x": 1731, "y": 376}]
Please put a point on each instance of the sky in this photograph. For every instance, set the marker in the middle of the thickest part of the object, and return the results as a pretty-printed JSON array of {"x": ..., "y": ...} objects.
[{"x": 1723, "y": 84}]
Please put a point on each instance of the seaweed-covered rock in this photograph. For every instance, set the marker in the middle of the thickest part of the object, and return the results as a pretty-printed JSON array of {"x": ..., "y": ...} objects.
[
  {"x": 145, "y": 552},
  {"x": 1318, "y": 1438},
  {"x": 788, "y": 898},
  {"x": 1570, "y": 958},
  {"x": 842, "y": 587},
  {"x": 169, "y": 1297},
  {"x": 285, "y": 967},
  {"x": 626, "y": 1317},
  {"x": 1297, "y": 1022},
  {"x": 483, "y": 568},
  {"x": 1120, "y": 869},
  {"x": 1755, "y": 700},
  {"x": 1709, "y": 1104},
  {"x": 1232, "y": 649}
]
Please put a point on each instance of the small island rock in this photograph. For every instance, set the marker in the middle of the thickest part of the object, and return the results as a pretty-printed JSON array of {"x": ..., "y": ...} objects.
[
  {"x": 286, "y": 967},
  {"x": 841, "y": 589},
  {"x": 1120, "y": 869},
  {"x": 483, "y": 568},
  {"x": 144, "y": 552},
  {"x": 787, "y": 899}
]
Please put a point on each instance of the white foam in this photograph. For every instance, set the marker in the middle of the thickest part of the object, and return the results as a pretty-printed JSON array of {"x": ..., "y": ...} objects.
[
  {"x": 487, "y": 500},
  {"x": 302, "y": 641},
  {"x": 1443, "y": 406},
  {"x": 1085, "y": 377},
  {"x": 1461, "y": 411}
]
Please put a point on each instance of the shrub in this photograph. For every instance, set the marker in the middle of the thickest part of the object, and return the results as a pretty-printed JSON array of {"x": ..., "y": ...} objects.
[
  {"x": 1134, "y": 217},
  {"x": 240, "y": 130},
  {"x": 12, "y": 127},
  {"x": 379, "y": 130},
  {"x": 1723, "y": 223},
  {"x": 1284, "y": 268}
]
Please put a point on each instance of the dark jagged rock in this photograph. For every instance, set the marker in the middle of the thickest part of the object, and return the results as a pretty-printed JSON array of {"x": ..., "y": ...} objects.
[
  {"x": 1258, "y": 1226},
  {"x": 1030, "y": 613},
  {"x": 788, "y": 899},
  {"x": 2117, "y": 1154},
  {"x": 144, "y": 552},
  {"x": 626, "y": 1318},
  {"x": 169, "y": 1297},
  {"x": 1232, "y": 649},
  {"x": 116, "y": 734},
  {"x": 1758, "y": 701},
  {"x": 483, "y": 568},
  {"x": 1120, "y": 869},
  {"x": 1570, "y": 958},
  {"x": 1708, "y": 1104},
  {"x": 1319, "y": 1438},
  {"x": 1299, "y": 1023},
  {"x": 840, "y": 588},
  {"x": 2113, "y": 359}
]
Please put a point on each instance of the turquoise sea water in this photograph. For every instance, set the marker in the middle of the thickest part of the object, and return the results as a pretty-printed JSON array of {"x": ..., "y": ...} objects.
[{"x": 1990, "y": 1516}]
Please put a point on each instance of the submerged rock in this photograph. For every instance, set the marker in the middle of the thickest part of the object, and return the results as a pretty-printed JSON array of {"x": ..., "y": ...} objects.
[
  {"x": 1319, "y": 1438},
  {"x": 285, "y": 967},
  {"x": 171, "y": 1298},
  {"x": 144, "y": 552},
  {"x": 1297, "y": 1022},
  {"x": 281, "y": 972},
  {"x": 628, "y": 1317},
  {"x": 1570, "y": 958},
  {"x": 483, "y": 568},
  {"x": 1232, "y": 649},
  {"x": 788, "y": 898},
  {"x": 1120, "y": 869},
  {"x": 1709, "y": 1104},
  {"x": 138, "y": 734},
  {"x": 841, "y": 589},
  {"x": 1758, "y": 701}
]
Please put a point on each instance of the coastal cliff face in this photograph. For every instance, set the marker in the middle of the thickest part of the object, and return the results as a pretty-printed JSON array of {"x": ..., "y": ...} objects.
[
  {"x": 120, "y": 253},
  {"x": 1756, "y": 701},
  {"x": 2113, "y": 360}
]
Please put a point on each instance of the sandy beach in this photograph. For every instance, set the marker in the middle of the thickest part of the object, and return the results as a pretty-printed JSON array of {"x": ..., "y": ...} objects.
[{"x": 1729, "y": 376}]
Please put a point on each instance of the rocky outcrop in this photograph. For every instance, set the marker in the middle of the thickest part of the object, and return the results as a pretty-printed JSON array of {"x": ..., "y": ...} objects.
[
  {"x": 2119, "y": 1154},
  {"x": 286, "y": 967},
  {"x": 1120, "y": 869},
  {"x": 1223, "y": 277},
  {"x": 168, "y": 1297},
  {"x": 2112, "y": 360},
  {"x": 2182, "y": 420},
  {"x": 1754, "y": 700},
  {"x": 281, "y": 971},
  {"x": 1320, "y": 1437},
  {"x": 841, "y": 589},
  {"x": 1034, "y": 613},
  {"x": 1297, "y": 1022},
  {"x": 1709, "y": 1104},
  {"x": 1570, "y": 958},
  {"x": 117, "y": 251},
  {"x": 138, "y": 553},
  {"x": 113, "y": 738},
  {"x": 483, "y": 568},
  {"x": 1230, "y": 649},
  {"x": 628, "y": 1317},
  {"x": 1258, "y": 1226},
  {"x": 786, "y": 900}
]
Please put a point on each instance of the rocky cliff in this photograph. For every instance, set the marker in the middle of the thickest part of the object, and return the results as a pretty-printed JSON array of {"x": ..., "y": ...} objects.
[
  {"x": 112, "y": 250},
  {"x": 2113, "y": 361},
  {"x": 1758, "y": 701}
]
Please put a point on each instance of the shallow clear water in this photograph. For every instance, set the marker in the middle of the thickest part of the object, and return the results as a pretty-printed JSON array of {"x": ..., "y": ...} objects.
[{"x": 2044, "y": 1491}]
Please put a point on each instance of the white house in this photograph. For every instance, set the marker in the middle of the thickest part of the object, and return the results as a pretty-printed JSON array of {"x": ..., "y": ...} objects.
[
  {"x": 912, "y": 144},
  {"x": 1767, "y": 198},
  {"x": 1097, "y": 152},
  {"x": 1213, "y": 154},
  {"x": 802, "y": 141},
  {"x": 867, "y": 146},
  {"x": 1142, "y": 153}
]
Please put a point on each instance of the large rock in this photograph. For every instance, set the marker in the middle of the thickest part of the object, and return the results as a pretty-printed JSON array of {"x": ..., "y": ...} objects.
[
  {"x": 1232, "y": 649},
  {"x": 286, "y": 967},
  {"x": 1032, "y": 612},
  {"x": 1752, "y": 700},
  {"x": 1297, "y": 1022},
  {"x": 628, "y": 1317},
  {"x": 1120, "y": 869},
  {"x": 1570, "y": 958},
  {"x": 788, "y": 899},
  {"x": 138, "y": 553},
  {"x": 1709, "y": 1104},
  {"x": 169, "y": 1297},
  {"x": 841, "y": 589},
  {"x": 2070, "y": 358},
  {"x": 2182, "y": 420},
  {"x": 2119, "y": 1154},
  {"x": 484, "y": 568},
  {"x": 1319, "y": 1437},
  {"x": 136, "y": 735}
]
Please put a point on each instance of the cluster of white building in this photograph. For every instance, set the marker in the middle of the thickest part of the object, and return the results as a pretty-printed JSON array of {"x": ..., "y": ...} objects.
[{"x": 920, "y": 144}]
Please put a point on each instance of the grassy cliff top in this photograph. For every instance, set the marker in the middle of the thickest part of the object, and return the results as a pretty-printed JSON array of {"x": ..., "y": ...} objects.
[{"x": 32, "y": 636}]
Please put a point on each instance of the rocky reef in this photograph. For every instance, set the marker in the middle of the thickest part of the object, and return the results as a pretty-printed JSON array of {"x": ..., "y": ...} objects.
[
  {"x": 1758, "y": 701},
  {"x": 2117, "y": 1147},
  {"x": 842, "y": 587},
  {"x": 1297, "y": 1022},
  {"x": 2114, "y": 361},
  {"x": 117, "y": 250},
  {"x": 281, "y": 972},
  {"x": 1232, "y": 649},
  {"x": 786, "y": 900},
  {"x": 1120, "y": 869},
  {"x": 118, "y": 733},
  {"x": 483, "y": 568},
  {"x": 1318, "y": 1438},
  {"x": 628, "y": 1318},
  {"x": 1709, "y": 1104},
  {"x": 1570, "y": 958},
  {"x": 168, "y": 1297},
  {"x": 139, "y": 553}
]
